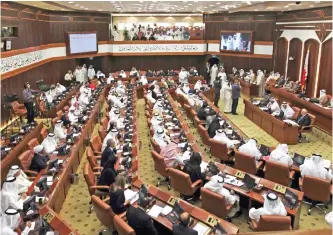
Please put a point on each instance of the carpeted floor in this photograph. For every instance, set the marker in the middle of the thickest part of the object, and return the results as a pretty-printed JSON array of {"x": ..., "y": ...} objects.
[{"x": 76, "y": 206}]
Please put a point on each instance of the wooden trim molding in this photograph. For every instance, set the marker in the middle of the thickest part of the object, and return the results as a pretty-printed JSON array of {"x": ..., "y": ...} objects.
[
  {"x": 159, "y": 42},
  {"x": 263, "y": 43},
  {"x": 259, "y": 56},
  {"x": 30, "y": 49}
]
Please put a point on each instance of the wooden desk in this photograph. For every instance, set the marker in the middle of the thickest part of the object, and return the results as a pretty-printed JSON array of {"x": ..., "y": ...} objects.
[
  {"x": 15, "y": 152},
  {"x": 323, "y": 116},
  {"x": 246, "y": 88},
  {"x": 281, "y": 131},
  {"x": 198, "y": 214},
  {"x": 295, "y": 213}
]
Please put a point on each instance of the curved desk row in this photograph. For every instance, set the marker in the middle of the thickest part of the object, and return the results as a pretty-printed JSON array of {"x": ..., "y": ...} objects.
[{"x": 247, "y": 88}]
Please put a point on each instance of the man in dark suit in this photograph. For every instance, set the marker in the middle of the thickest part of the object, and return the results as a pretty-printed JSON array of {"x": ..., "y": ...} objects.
[
  {"x": 303, "y": 120},
  {"x": 108, "y": 153},
  {"x": 202, "y": 113},
  {"x": 140, "y": 221},
  {"x": 183, "y": 228},
  {"x": 217, "y": 87}
]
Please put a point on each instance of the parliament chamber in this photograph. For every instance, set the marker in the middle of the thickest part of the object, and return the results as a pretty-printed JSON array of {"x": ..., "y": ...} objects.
[{"x": 166, "y": 117}]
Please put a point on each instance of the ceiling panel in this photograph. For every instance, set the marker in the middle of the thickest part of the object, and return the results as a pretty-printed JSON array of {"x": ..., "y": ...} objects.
[{"x": 175, "y": 6}]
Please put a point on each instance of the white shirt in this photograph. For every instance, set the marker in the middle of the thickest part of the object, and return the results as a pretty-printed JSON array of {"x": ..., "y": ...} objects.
[
  {"x": 91, "y": 73},
  {"x": 223, "y": 138},
  {"x": 280, "y": 154},
  {"x": 183, "y": 76},
  {"x": 59, "y": 132},
  {"x": 49, "y": 144},
  {"x": 315, "y": 167},
  {"x": 68, "y": 77},
  {"x": 250, "y": 148},
  {"x": 217, "y": 187},
  {"x": 288, "y": 111}
]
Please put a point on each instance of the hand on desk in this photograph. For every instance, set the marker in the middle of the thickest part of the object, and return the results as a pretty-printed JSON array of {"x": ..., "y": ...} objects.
[{"x": 23, "y": 196}]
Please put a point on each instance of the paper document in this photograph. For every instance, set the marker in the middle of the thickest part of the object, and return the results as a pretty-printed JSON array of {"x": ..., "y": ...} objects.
[
  {"x": 49, "y": 179},
  {"x": 166, "y": 210},
  {"x": 135, "y": 198},
  {"x": 294, "y": 124},
  {"x": 182, "y": 145},
  {"x": 228, "y": 132},
  {"x": 129, "y": 194},
  {"x": 201, "y": 228},
  {"x": 235, "y": 142},
  {"x": 203, "y": 166},
  {"x": 186, "y": 155},
  {"x": 155, "y": 211}
]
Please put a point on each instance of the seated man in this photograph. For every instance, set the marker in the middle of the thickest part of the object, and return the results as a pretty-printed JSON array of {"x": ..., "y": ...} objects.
[
  {"x": 193, "y": 169},
  {"x": 216, "y": 185},
  {"x": 140, "y": 221},
  {"x": 303, "y": 118},
  {"x": 250, "y": 148},
  {"x": 214, "y": 126},
  {"x": 273, "y": 106},
  {"x": 149, "y": 74},
  {"x": 288, "y": 112},
  {"x": 59, "y": 132},
  {"x": 315, "y": 167},
  {"x": 65, "y": 119},
  {"x": 172, "y": 155},
  {"x": 323, "y": 98},
  {"x": 183, "y": 228},
  {"x": 109, "y": 152},
  {"x": 211, "y": 114},
  {"x": 281, "y": 82},
  {"x": 272, "y": 206},
  {"x": 21, "y": 178},
  {"x": 222, "y": 137},
  {"x": 50, "y": 143},
  {"x": 203, "y": 111},
  {"x": 39, "y": 160},
  {"x": 281, "y": 155},
  {"x": 161, "y": 138},
  {"x": 10, "y": 221}
]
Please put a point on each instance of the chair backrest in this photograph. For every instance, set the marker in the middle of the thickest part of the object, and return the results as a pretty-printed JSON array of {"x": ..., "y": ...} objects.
[
  {"x": 155, "y": 145},
  {"x": 104, "y": 123},
  {"x": 277, "y": 172},
  {"x": 25, "y": 159},
  {"x": 296, "y": 110},
  {"x": 188, "y": 111},
  {"x": 91, "y": 158},
  {"x": 313, "y": 119},
  {"x": 96, "y": 143},
  {"x": 33, "y": 143},
  {"x": 274, "y": 223},
  {"x": 159, "y": 164},
  {"x": 316, "y": 189},
  {"x": 245, "y": 163},
  {"x": 214, "y": 203},
  {"x": 219, "y": 149},
  {"x": 89, "y": 178},
  {"x": 180, "y": 182},
  {"x": 44, "y": 132},
  {"x": 103, "y": 212},
  {"x": 101, "y": 132},
  {"x": 204, "y": 135},
  {"x": 196, "y": 121},
  {"x": 122, "y": 227}
]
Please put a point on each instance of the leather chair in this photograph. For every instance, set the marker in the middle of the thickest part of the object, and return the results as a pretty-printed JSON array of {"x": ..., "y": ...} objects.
[
  {"x": 44, "y": 132},
  {"x": 104, "y": 213},
  {"x": 155, "y": 145},
  {"x": 90, "y": 178},
  {"x": 161, "y": 168},
  {"x": 59, "y": 113},
  {"x": 219, "y": 150},
  {"x": 278, "y": 173},
  {"x": 188, "y": 111},
  {"x": 317, "y": 190},
  {"x": 272, "y": 223},
  {"x": 33, "y": 143},
  {"x": 247, "y": 163},
  {"x": 25, "y": 159},
  {"x": 181, "y": 182},
  {"x": 96, "y": 144},
  {"x": 104, "y": 123},
  {"x": 214, "y": 203},
  {"x": 93, "y": 160},
  {"x": 204, "y": 136},
  {"x": 102, "y": 132},
  {"x": 19, "y": 109},
  {"x": 122, "y": 227},
  {"x": 198, "y": 122},
  {"x": 43, "y": 109},
  {"x": 308, "y": 129}
]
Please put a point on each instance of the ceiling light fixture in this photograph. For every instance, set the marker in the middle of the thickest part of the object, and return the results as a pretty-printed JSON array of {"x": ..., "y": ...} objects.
[
  {"x": 218, "y": 3},
  {"x": 70, "y": 2},
  {"x": 255, "y": 9},
  {"x": 311, "y": 6},
  {"x": 99, "y": 9},
  {"x": 248, "y": 2},
  {"x": 81, "y": 6}
]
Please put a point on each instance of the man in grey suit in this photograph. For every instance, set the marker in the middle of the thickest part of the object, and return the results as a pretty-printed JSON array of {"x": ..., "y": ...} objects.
[{"x": 235, "y": 92}]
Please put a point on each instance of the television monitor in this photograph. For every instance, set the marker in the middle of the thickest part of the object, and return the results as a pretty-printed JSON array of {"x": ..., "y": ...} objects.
[
  {"x": 236, "y": 41},
  {"x": 82, "y": 43}
]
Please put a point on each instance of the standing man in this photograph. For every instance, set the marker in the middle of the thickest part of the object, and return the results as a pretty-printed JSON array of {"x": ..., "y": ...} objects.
[
  {"x": 28, "y": 99},
  {"x": 207, "y": 72},
  {"x": 235, "y": 90},
  {"x": 217, "y": 87},
  {"x": 68, "y": 78},
  {"x": 213, "y": 74},
  {"x": 91, "y": 72}
]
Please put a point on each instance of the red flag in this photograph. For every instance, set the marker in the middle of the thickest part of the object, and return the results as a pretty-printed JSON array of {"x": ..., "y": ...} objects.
[{"x": 305, "y": 70}]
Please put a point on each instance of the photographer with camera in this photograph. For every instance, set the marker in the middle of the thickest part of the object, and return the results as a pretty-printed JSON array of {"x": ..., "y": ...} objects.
[{"x": 28, "y": 99}]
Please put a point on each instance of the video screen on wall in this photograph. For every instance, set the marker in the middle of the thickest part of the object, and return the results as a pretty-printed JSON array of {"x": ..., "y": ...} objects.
[
  {"x": 237, "y": 41},
  {"x": 82, "y": 42}
]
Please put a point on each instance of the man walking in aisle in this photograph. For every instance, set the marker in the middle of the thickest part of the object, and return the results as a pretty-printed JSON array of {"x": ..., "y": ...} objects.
[{"x": 235, "y": 96}]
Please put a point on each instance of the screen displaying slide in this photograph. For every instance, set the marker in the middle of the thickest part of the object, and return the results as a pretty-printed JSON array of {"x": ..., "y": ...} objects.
[
  {"x": 82, "y": 43},
  {"x": 241, "y": 42}
]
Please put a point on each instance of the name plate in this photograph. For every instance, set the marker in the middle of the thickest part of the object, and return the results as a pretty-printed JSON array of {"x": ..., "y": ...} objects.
[
  {"x": 240, "y": 174},
  {"x": 172, "y": 200},
  {"x": 212, "y": 221},
  {"x": 280, "y": 188},
  {"x": 48, "y": 217}
]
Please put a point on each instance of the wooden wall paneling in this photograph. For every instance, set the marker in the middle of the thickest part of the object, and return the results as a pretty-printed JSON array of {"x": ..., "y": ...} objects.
[
  {"x": 295, "y": 51},
  {"x": 313, "y": 45},
  {"x": 281, "y": 55},
  {"x": 325, "y": 69}
]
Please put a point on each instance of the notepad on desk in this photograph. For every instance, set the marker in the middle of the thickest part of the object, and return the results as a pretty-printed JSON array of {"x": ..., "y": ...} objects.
[
  {"x": 155, "y": 211},
  {"x": 166, "y": 210},
  {"x": 203, "y": 166},
  {"x": 130, "y": 194},
  {"x": 201, "y": 228}
]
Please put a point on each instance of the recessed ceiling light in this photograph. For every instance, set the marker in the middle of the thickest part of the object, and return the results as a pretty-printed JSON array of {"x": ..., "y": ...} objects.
[
  {"x": 62, "y": 9},
  {"x": 205, "y": 7},
  {"x": 99, "y": 9},
  {"x": 311, "y": 5},
  {"x": 81, "y": 6},
  {"x": 255, "y": 9},
  {"x": 218, "y": 3},
  {"x": 77, "y": 5},
  {"x": 248, "y": 3},
  {"x": 86, "y": 8},
  {"x": 286, "y": 6},
  {"x": 70, "y": 2}
]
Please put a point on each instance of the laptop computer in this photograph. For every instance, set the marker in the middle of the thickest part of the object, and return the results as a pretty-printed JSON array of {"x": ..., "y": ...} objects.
[
  {"x": 298, "y": 159},
  {"x": 249, "y": 182},
  {"x": 290, "y": 198},
  {"x": 219, "y": 229},
  {"x": 174, "y": 216}
]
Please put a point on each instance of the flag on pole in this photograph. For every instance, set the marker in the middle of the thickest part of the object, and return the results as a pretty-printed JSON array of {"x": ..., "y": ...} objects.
[{"x": 305, "y": 70}]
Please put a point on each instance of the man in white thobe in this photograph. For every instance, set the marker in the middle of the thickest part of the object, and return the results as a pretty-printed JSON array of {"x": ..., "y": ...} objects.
[
  {"x": 287, "y": 110},
  {"x": 261, "y": 83},
  {"x": 222, "y": 137},
  {"x": 60, "y": 89},
  {"x": 109, "y": 79},
  {"x": 91, "y": 72},
  {"x": 79, "y": 74},
  {"x": 85, "y": 72},
  {"x": 49, "y": 143},
  {"x": 274, "y": 106},
  {"x": 250, "y": 148},
  {"x": 10, "y": 195},
  {"x": 59, "y": 132},
  {"x": 10, "y": 220},
  {"x": 161, "y": 138},
  {"x": 183, "y": 76},
  {"x": 83, "y": 100},
  {"x": 227, "y": 97},
  {"x": 213, "y": 74},
  {"x": 281, "y": 155},
  {"x": 21, "y": 178},
  {"x": 315, "y": 167},
  {"x": 272, "y": 206}
]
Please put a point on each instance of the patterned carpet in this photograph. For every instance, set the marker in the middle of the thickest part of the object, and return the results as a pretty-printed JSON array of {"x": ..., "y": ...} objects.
[{"x": 76, "y": 205}]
